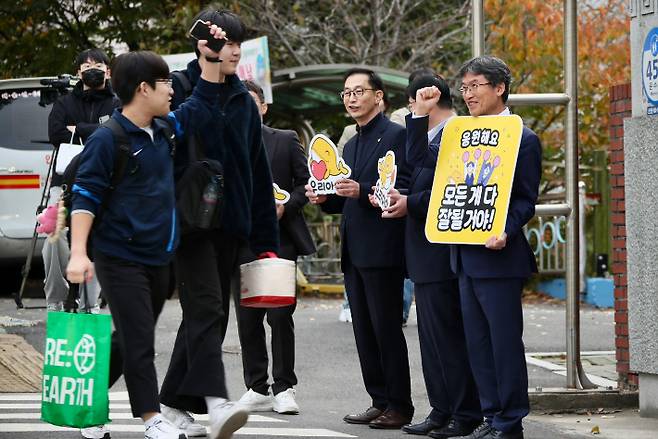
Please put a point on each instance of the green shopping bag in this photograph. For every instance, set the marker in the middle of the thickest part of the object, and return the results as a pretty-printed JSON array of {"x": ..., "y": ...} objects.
[{"x": 76, "y": 369}]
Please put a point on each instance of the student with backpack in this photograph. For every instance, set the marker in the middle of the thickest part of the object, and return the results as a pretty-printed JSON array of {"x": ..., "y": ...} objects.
[
  {"x": 208, "y": 257},
  {"x": 136, "y": 236}
]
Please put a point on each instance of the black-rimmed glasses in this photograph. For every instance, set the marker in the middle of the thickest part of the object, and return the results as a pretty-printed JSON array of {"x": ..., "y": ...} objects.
[{"x": 358, "y": 92}]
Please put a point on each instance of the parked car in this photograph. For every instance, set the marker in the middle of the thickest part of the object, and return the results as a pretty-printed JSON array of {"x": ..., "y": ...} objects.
[{"x": 25, "y": 155}]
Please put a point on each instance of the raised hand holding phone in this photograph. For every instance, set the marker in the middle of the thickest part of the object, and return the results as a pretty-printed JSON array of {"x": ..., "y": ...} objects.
[{"x": 213, "y": 36}]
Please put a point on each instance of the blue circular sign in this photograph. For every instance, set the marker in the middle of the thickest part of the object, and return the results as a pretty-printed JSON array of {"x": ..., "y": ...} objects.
[{"x": 650, "y": 66}]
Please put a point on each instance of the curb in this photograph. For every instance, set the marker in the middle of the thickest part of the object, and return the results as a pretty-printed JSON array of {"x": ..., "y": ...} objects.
[{"x": 568, "y": 400}]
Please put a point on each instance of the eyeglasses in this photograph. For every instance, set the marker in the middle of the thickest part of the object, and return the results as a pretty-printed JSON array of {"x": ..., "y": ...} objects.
[
  {"x": 358, "y": 92},
  {"x": 169, "y": 82},
  {"x": 472, "y": 87}
]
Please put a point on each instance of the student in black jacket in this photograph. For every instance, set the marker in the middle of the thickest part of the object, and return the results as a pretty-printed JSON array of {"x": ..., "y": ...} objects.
[{"x": 206, "y": 260}]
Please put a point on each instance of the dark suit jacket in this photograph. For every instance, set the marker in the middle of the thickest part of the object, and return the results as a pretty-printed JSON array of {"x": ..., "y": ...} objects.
[
  {"x": 426, "y": 262},
  {"x": 290, "y": 172},
  {"x": 516, "y": 259},
  {"x": 368, "y": 240}
]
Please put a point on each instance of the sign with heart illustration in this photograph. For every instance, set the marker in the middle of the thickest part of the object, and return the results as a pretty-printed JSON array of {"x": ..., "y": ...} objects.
[{"x": 325, "y": 165}]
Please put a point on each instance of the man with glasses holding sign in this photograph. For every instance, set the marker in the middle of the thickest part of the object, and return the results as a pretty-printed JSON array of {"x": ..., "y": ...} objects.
[
  {"x": 491, "y": 276},
  {"x": 373, "y": 254}
]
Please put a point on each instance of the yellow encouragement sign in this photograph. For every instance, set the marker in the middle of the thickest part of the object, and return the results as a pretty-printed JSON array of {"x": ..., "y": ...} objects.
[{"x": 473, "y": 179}]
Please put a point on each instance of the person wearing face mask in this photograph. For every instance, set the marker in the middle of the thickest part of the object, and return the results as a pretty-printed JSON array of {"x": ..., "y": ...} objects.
[
  {"x": 73, "y": 118},
  {"x": 90, "y": 103}
]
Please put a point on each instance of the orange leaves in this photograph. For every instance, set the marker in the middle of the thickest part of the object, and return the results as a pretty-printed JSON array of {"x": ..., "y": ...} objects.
[{"x": 528, "y": 35}]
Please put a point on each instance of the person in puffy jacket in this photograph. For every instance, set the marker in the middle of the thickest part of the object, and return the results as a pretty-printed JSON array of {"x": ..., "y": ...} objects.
[{"x": 77, "y": 114}]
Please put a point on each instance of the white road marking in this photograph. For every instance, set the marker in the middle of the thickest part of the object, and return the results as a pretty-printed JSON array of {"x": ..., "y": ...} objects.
[
  {"x": 138, "y": 428},
  {"x": 30, "y": 404},
  {"x": 535, "y": 359}
]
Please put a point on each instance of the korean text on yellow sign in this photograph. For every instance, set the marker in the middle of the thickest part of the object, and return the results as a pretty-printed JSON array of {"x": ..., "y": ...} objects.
[{"x": 473, "y": 179}]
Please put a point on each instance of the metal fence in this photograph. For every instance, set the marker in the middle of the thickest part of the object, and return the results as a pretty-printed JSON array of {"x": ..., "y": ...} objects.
[
  {"x": 324, "y": 265},
  {"x": 546, "y": 233},
  {"x": 546, "y": 236}
]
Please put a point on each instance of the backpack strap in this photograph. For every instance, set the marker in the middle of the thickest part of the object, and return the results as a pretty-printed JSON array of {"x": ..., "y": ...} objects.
[
  {"x": 184, "y": 81},
  {"x": 122, "y": 154},
  {"x": 169, "y": 133},
  {"x": 195, "y": 148}
]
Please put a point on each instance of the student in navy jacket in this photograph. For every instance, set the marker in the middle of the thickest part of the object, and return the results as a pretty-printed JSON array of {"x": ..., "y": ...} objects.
[
  {"x": 448, "y": 378},
  {"x": 491, "y": 277},
  {"x": 373, "y": 254},
  {"x": 135, "y": 239},
  {"x": 206, "y": 260}
]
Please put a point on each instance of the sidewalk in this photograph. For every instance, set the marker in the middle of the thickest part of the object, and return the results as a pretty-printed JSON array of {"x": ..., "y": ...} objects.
[{"x": 626, "y": 424}]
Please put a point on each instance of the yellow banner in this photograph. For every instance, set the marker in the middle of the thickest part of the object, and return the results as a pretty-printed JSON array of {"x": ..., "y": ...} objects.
[{"x": 473, "y": 179}]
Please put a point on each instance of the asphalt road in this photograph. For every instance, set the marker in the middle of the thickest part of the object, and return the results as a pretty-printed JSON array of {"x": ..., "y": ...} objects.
[{"x": 330, "y": 383}]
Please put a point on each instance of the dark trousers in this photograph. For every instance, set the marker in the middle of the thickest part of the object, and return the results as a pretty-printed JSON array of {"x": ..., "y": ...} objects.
[
  {"x": 255, "y": 360},
  {"x": 448, "y": 378},
  {"x": 136, "y": 294},
  {"x": 376, "y": 304},
  {"x": 205, "y": 263},
  {"x": 493, "y": 324}
]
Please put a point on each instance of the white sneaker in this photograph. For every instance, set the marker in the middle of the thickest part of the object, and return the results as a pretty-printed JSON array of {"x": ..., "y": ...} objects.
[
  {"x": 162, "y": 428},
  {"x": 226, "y": 419},
  {"x": 256, "y": 402},
  {"x": 183, "y": 421},
  {"x": 58, "y": 306},
  {"x": 95, "y": 432},
  {"x": 284, "y": 402},
  {"x": 345, "y": 315}
]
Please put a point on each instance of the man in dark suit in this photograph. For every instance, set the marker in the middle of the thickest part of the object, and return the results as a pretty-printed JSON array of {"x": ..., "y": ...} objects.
[
  {"x": 290, "y": 172},
  {"x": 448, "y": 378},
  {"x": 373, "y": 254},
  {"x": 491, "y": 277}
]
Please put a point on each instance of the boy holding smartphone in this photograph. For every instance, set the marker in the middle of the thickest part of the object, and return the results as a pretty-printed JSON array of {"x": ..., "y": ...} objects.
[{"x": 207, "y": 259}]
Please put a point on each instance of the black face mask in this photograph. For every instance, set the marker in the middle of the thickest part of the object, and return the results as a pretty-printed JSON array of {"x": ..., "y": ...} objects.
[{"x": 93, "y": 78}]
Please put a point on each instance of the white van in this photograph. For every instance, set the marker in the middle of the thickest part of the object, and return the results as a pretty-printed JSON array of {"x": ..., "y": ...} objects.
[{"x": 25, "y": 155}]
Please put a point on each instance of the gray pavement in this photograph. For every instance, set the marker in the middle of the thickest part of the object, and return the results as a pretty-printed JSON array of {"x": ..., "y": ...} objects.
[{"x": 330, "y": 384}]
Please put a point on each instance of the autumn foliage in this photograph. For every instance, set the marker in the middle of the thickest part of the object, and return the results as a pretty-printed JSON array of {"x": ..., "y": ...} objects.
[{"x": 528, "y": 34}]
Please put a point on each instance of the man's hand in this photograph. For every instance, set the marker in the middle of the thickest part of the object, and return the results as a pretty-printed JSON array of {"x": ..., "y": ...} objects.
[
  {"x": 71, "y": 128},
  {"x": 348, "y": 188},
  {"x": 426, "y": 99},
  {"x": 398, "y": 207},
  {"x": 218, "y": 34},
  {"x": 372, "y": 198},
  {"x": 80, "y": 269},
  {"x": 280, "y": 208},
  {"x": 495, "y": 243},
  {"x": 314, "y": 198}
]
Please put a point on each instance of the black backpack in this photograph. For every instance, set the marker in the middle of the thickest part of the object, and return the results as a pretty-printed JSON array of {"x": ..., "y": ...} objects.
[
  {"x": 122, "y": 156},
  {"x": 199, "y": 173}
]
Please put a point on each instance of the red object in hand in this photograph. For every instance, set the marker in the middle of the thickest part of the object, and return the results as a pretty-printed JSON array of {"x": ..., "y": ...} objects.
[{"x": 265, "y": 255}]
